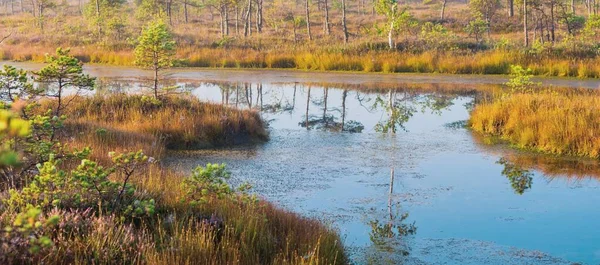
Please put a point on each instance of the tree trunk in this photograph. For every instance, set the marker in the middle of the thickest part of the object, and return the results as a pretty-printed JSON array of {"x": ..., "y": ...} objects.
[
  {"x": 226, "y": 9},
  {"x": 327, "y": 28},
  {"x": 392, "y": 26},
  {"x": 295, "y": 34},
  {"x": 185, "y": 10},
  {"x": 573, "y": 7},
  {"x": 525, "y": 23},
  {"x": 156, "y": 82},
  {"x": 307, "y": 106},
  {"x": 41, "y": 15},
  {"x": 237, "y": 20},
  {"x": 308, "y": 21},
  {"x": 511, "y": 8},
  {"x": 222, "y": 22},
  {"x": 443, "y": 10},
  {"x": 247, "y": 26},
  {"x": 552, "y": 25},
  {"x": 169, "y": 11},
  {"x": 391, "y": 36},
  {"x": 59, "y": 105},
  {"x": 344, "y": 94},
  {"x": 489, "y": 26},
  {"x": 391, "y": 106},
  {"x": 259, "y": 16},
  {"x": 344, "y": 26},
  {"x": 98, "y": 17},
  {"x": 325, "y": 96}
]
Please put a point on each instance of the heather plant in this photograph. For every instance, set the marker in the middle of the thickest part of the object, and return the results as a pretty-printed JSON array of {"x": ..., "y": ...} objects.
[{"x": 26, "y": 237}]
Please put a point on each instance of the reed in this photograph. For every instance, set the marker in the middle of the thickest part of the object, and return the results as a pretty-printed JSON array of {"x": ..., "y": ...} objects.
[
  {"x": 352, "y": 58},
  {"x": 549, "y": 121}
]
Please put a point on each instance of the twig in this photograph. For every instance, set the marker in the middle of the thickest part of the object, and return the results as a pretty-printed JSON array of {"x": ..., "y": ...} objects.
[{"x": 5, "y": 37}]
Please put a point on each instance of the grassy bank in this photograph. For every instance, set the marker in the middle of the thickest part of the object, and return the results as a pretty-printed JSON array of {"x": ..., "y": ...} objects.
[
  {"x": 551, "y": 166},
  {"x": 343, "y": 59},
  {"x": 550, "y": 121},
  {"x": 159, "y": 216},
  {"x": 106, "y": 122}
]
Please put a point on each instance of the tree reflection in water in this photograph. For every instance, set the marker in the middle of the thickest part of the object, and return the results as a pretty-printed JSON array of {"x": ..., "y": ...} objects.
[
  {"x": 520, "y": 179},
  {"x": 328, "y": 121}
]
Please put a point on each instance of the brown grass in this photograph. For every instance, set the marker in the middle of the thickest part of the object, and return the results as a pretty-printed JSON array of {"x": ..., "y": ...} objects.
[
  {"x": 121, "y": 122},
  {"x": 246, "y": 233},
  {"x": 552, "y": 121}
]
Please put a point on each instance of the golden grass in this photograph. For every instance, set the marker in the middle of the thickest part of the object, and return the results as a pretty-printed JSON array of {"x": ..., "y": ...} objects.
[
  {"x": 106, "y": 122},
  {"x": 351, "y": 58},
  {"x": 551, "y": 166},
  {"x": 245, "y": 233},
  {"x": 552, "y": 121}
]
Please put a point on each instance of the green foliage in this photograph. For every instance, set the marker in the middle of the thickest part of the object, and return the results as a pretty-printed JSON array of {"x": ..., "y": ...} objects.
[
  {"x": 591, "y": 28},
  {"x": 207, "y": 182},
  {"x": 28, "y": 228},
  {"x": 476, "y": 28},
  {"x": 486, "y": 8},
  {"x": 62, "y": 72},
  {"x": 436, "y": 36},
  {"x": 398, "y": 114},
  {"x": 87, "y": 186},
  {"x": 14, "y": 84},
  {"x": 210, "y": 182},
  {"x": 388, "y": 8},
  {"x": 155, "y": 48},
  {"x": 397, "y": 19},
  {"x": 520, "y": 179},
  {"x": 521, "y": 79},
  {"x": 382, "y": 234},
  {"x": 150, "y": 101},
  {"x": 105, "y": 14},
  {"x": 148, "y": 10},
  {"x": 573, "y": 23},
  {"x": 10, "y": 127}
]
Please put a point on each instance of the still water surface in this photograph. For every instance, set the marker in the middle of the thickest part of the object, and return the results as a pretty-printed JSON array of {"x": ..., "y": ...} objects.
[
  {"x": 451, "y": 202},
  {"x": 432, "y": 193}
]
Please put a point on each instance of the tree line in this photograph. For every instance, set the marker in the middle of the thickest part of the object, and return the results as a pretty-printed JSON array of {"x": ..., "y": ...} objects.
[{"x": 540, "y": 20}]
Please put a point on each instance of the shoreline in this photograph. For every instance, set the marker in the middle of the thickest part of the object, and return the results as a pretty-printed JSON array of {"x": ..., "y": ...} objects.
[{"x": 269, "y": 75}]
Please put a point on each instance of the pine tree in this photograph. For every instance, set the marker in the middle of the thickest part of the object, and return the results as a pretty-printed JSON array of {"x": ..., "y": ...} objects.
[{"x": 155, "y": 49}]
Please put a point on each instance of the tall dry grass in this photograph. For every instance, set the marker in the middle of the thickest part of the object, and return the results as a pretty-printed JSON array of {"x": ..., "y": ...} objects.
[
  {"x": 220, "y": 231},
  {"x": 551, "y": 166},
  {"x": 106, "y": 122},
  {"x": 552, "y": 121},
  {"x": 351, "y": 58}
]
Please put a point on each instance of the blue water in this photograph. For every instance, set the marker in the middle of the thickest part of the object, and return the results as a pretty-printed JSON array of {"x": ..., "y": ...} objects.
[{"x": 449, "y": 184}]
